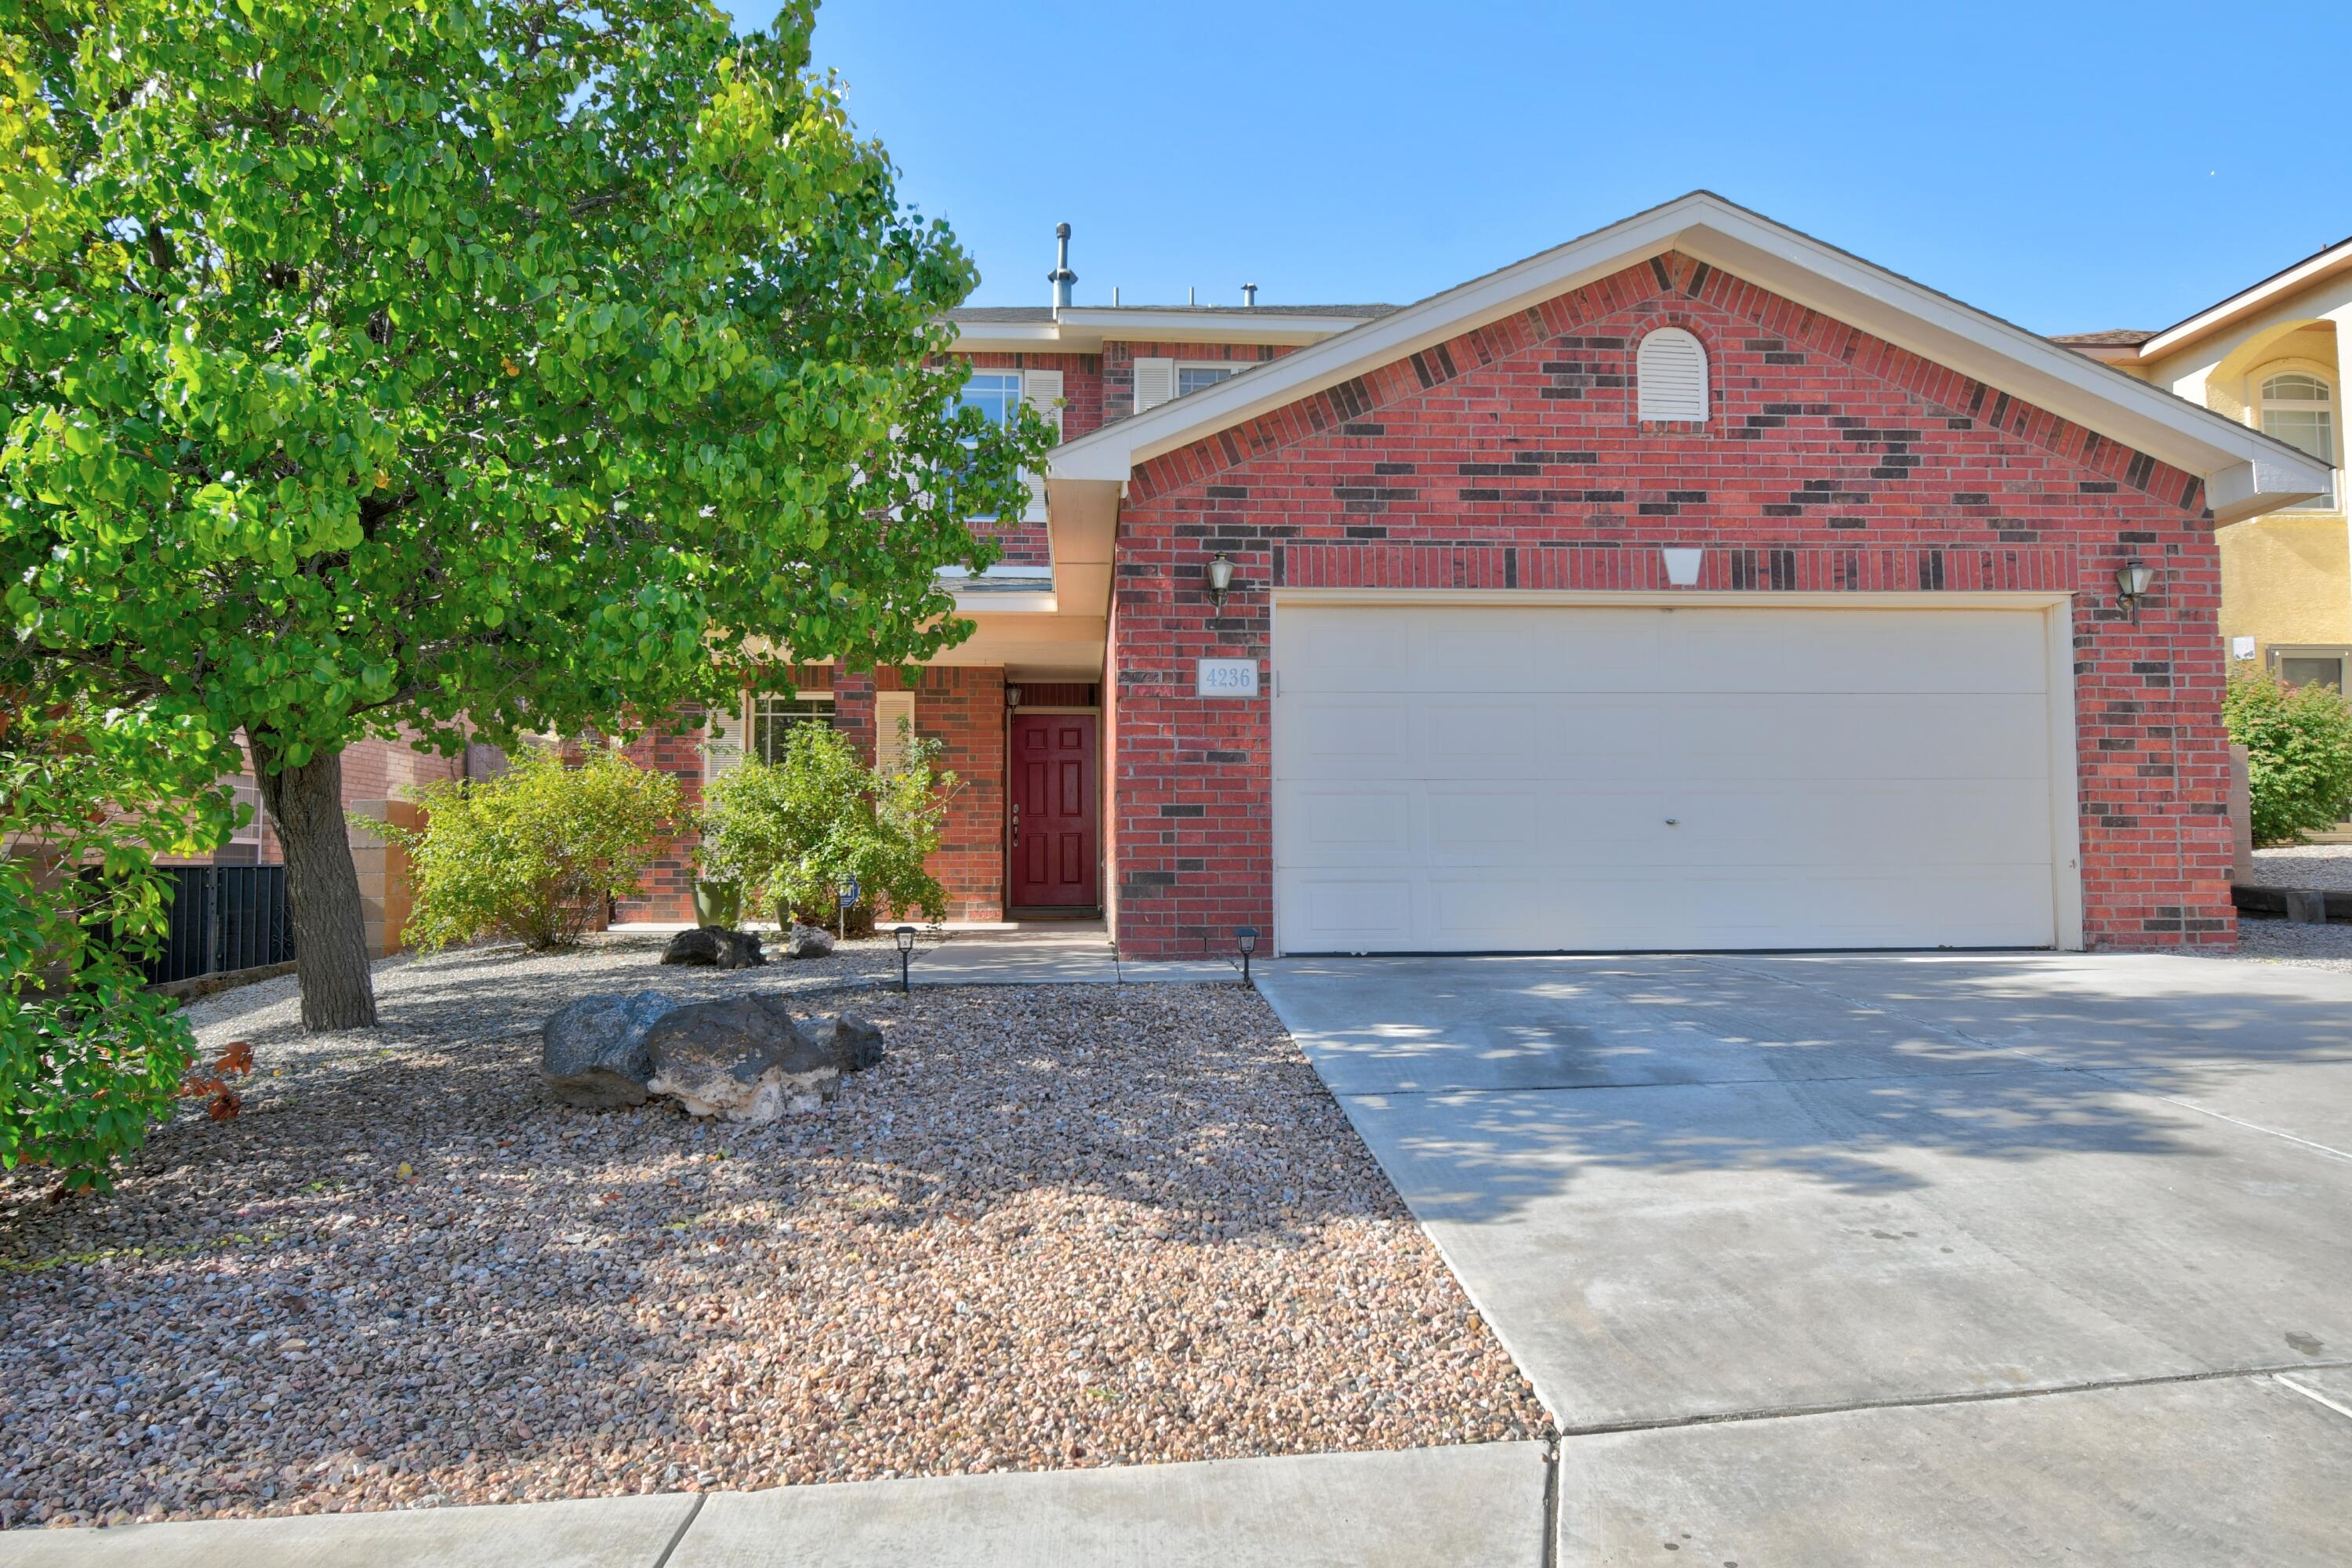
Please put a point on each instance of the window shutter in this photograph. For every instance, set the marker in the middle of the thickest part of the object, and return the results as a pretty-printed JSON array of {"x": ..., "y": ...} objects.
[
  {"x": 1042, "y": 390},
  {"x": 1671, "y": 369},
  {"x": 889, "y": 746},
  {"x": 1155, "y": 383},
  {"x": 722, "y": 745}
]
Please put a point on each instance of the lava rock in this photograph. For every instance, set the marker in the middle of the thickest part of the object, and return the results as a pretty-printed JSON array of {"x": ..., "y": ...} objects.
[
  {"x": 593, "y": 1051},
  {"x": 853, "y": 1043},
  {"x": 808, "y": 942},
  {"x": 716, "y": 946},
  {"x": 743, "y": 1059}
]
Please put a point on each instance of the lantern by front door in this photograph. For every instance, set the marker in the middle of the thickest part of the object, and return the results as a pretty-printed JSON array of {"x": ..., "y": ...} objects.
[{"x": 1053, "y": 831}]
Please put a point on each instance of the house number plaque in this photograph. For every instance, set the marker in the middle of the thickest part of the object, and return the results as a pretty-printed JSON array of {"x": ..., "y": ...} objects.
[{"x": 1226, "y": 677}]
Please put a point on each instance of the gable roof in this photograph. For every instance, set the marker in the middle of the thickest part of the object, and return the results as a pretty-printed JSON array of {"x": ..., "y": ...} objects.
[
  {"x": 2319, "y": 266},
  {"x": 2245, "y": 472}
]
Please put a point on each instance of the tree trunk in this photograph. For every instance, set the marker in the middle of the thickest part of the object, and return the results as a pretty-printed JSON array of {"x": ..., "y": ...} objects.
[{"x": 322, "y": 889}]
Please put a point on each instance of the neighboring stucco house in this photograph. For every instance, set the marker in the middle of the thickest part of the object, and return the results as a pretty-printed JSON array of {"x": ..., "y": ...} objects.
[
  {"x": 1693, "y": 585},
  {"x": 2269, "y": 356}
]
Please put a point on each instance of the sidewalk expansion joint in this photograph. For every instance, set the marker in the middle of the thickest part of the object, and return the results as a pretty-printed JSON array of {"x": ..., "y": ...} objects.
[
  {"x": 683, "y": 1526},
  {"x": 1990, "y": 1396}
]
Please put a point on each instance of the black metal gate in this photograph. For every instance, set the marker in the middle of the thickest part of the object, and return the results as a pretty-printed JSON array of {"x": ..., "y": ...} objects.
[{"x": 223, "y": 918}]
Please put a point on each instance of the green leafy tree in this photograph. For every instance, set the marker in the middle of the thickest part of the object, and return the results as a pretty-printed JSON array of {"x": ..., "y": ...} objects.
[
  {"x": 364, "y": 363},
  {"x": 534, "y": 853},
  {"x": 2298, "y": 742},
  {"x": 792, "y": 833},
  {"x": 89, "y": 1056}
]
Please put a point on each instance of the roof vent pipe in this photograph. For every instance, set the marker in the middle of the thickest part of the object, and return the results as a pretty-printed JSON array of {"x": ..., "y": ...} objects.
[
  {"x": 1061, "y": 278},
  {"x": 1249, "y": 295}
]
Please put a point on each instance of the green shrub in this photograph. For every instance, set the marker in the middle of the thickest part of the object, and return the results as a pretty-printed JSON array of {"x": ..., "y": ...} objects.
[
  {"x": 89, "y": 1056},
  {"x": 534, "y": 853},
  {"x": 2299, "y": 745},
  {"x": 793, "y": 831}
]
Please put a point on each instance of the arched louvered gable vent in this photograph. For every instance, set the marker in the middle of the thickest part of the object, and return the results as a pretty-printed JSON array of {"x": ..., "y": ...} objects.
[{"x": 1671, "y": 370}]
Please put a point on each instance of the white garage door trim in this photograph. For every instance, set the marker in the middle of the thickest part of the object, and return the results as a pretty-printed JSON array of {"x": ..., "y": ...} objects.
[{"x": 2058, "y": 679}]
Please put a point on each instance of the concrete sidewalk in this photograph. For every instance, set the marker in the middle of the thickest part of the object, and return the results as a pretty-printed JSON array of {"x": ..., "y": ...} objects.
[
  {"x": 1053, "y": 952},
  {"x": 1482, "y": 1505}
]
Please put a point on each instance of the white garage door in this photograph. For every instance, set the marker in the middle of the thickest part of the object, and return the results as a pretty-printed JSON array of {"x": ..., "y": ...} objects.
[{"x": 1477, "y": 778}]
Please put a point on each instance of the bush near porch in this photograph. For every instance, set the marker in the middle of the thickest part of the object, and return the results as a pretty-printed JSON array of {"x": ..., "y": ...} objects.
[
  {"x": 790, "y": 834},
  {"x": 535, "y": 853}
]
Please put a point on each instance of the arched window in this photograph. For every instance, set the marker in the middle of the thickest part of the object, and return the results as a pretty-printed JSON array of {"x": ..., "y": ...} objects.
[
  {"x": 2299, "y": 408},
  {"x": 1672, "y": 372}
]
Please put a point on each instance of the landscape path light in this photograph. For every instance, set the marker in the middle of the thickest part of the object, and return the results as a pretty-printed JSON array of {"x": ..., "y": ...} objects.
[{"x": 906, "y": 935}]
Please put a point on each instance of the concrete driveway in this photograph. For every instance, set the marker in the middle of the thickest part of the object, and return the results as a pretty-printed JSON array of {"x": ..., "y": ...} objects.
[{"x": 1869, "y": 1259}]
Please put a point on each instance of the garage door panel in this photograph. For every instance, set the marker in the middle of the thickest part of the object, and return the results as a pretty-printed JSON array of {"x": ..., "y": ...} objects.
[
  {"x": 1833, "y": 778},
  {"x": 1854, "y": 650},
  {"x": 1817, "y": 735},
  {"x": 1325, "y": 736},
  {"x": 1790, "y": 824},
  {"x": 1347, "y": 914}
]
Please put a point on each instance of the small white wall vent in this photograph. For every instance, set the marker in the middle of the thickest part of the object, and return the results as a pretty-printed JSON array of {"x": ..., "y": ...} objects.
[{"x": 1671, "y": 369}]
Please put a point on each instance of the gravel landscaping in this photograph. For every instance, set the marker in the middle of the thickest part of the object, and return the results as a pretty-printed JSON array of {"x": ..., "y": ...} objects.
[
  {"x": 2266, "y": 941},
  {"x": 2326, "y": 867},
  {"x": 1057, "y": 1226}
]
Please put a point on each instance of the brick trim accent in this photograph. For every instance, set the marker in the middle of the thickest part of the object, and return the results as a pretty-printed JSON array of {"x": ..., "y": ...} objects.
[
  {"x": 1564, "y": 566},
  {"x": 1787, "y": 334}
]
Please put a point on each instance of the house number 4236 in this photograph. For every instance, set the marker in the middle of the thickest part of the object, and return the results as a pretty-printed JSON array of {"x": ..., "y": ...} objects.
[{"x": 1227, "y": 678}]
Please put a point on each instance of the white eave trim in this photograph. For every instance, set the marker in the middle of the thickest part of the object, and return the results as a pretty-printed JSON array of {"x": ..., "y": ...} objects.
[
  {"x": 1085, "y": 330},
  {"x": 1797, "y": 267},
  {"x": 2246, "y": 303}
]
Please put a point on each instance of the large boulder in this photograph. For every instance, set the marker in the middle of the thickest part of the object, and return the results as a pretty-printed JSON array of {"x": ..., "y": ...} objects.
[
  {"x": 594, "y": 1052},
  {"x": 808, "y": 942},
  {"x": 716, "y": 946},
  {"x": 742, "y": 1059}
]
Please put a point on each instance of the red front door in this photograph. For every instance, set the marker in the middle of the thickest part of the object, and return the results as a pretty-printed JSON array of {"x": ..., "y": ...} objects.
[{"x": 1053, "y": 830}]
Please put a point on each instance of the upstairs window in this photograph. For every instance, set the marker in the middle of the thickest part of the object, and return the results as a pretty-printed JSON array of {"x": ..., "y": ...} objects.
[
  {"x": 1191, "y": 378},
  {"x": 2299, "y": 408},
  {"x": 1159, "y": 380},
  {"x": 1671, "y": 369},
  {"x": 995, "y": 393}
]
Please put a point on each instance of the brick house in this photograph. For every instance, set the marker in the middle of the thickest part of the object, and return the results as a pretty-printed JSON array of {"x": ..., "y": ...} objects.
[{"x": 1692, "y": 585}]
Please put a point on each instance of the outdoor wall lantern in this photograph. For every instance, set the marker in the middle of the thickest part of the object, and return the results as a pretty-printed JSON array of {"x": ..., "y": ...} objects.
[
  {"x": 1246, "y": 939},
  {"x": 1013, "y": 697},
  {"x": 1221, "y": 580},
  {"x": 2132, "y": 580},
  {"x": 906, "y": 935}
]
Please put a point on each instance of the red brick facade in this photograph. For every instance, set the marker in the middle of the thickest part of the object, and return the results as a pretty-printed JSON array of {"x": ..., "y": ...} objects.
[{"x": 1510, "y": 458}]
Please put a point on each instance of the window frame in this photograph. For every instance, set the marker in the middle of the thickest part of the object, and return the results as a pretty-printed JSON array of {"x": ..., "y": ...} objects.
[
  {"x": 2330, "y": 407},
  {"x": 1232, "y": 367},
  {"x": 755, "y": 749},
  {"x": 2276, "y": 655}
]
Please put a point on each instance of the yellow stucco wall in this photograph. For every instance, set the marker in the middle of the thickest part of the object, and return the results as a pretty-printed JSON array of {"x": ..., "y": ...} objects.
[{"x": 2287, "y": 579}]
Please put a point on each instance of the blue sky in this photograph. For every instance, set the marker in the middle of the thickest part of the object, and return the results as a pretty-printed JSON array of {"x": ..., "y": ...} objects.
[{"x": 2069, "y": 166}]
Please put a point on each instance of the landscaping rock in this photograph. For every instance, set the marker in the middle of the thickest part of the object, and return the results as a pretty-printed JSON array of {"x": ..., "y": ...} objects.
[
  {"x": 744, "y": 1060},
  {"x": 593, "y": 1051},
  {"x": 716, "y": 946},
  {"x": 851, "y": 1042},
  {"x": 808, "y": 942}
]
